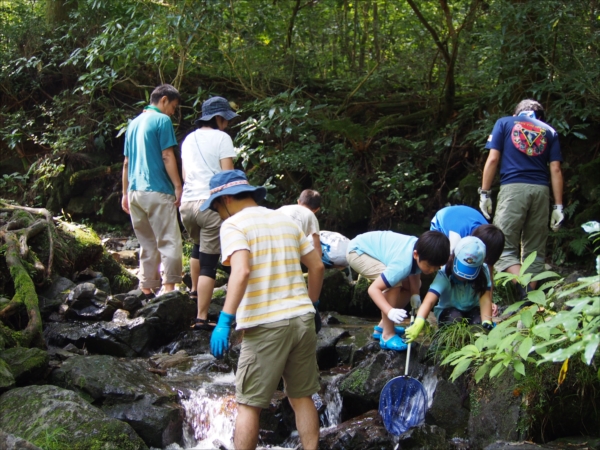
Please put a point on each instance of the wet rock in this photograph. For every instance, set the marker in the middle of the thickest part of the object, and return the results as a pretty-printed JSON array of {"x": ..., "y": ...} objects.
[
  {"x": 336, "y": 293},
  {"x": 165, "y": 361},
  {"x": 86, "y": 274},
  {"x": 361, "y": 304},
  {"x": 169, "y": 314},
  {"x": 37, "y": 411},
  {"x": 327, "y": 339},
  {"x": 101, "y": 283},
  {"x": 87, "y": 302},
  {"x": 154, "y": 325},
  {"x": 503, "y": 445},
  {"x": 26, "y": 364},
  {"x": 59, "y": 289},
  {"x": 48, "y": 306},
  {"x": 193, "y": 342},
  {"x": 361, "y": 387},
  {"x": 424, "y": 436},
  {"x": 126, "y": 257},
  {"x": 574, "y": 442},
  {"x": 495, "y": 412},
  {"x": 132, "y": 338},
  {"x": 127, "y": 391},
  {"x": 132, "y": 303},
  {"x": 447, "y": 410},
  {"x": 7, "y": 379},
  {"x": 365, "y": 432},
  {"x": 10, "y": 442}
]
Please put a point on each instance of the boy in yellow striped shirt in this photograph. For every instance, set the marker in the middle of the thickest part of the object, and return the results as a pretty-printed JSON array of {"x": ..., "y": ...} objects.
[{"x": 269, "y": 300}]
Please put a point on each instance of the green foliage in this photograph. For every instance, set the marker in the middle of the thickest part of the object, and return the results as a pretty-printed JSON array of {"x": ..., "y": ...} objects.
[{"x": 537, "y": 334}]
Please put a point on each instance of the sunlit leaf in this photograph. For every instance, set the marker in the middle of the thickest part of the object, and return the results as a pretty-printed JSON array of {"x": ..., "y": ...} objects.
[
  {"x": 519, "y": 367},
  {"x": 525, "y": 347}
]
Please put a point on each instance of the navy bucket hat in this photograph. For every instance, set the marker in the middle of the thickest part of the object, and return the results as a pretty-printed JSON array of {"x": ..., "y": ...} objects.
[
  {"x": 216, "y": 106},
  {"x": 231, "y": 182}
]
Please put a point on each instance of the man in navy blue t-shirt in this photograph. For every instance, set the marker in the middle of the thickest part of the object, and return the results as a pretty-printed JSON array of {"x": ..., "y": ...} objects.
[{"x": 524, "y": 146}]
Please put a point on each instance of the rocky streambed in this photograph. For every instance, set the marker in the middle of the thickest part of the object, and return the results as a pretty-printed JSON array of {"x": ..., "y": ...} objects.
[{"x": 119, "y": 372}]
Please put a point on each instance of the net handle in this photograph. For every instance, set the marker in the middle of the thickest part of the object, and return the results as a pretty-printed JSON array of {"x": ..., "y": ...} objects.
[{"x": 412, "y": 319}]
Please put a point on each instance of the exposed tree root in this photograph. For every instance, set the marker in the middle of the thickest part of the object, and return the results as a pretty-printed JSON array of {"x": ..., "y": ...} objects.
[{"x": 17, "y": 253}]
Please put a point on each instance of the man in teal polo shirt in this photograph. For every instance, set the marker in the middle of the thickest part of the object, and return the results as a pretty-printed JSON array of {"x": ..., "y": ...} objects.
[{"x": 152, "y": 190}]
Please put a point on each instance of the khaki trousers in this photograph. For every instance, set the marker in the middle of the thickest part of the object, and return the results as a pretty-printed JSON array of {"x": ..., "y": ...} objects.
[
  {"x": 154, "y": 220},
  {"x": 522, "y": 215}
]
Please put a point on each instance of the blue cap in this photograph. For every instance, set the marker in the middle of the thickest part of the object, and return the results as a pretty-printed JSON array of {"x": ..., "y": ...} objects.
[
  {"x": 216, "y": 106},
  {"x": 468, "y": 257},
  {"x": 231, "y": 182}
]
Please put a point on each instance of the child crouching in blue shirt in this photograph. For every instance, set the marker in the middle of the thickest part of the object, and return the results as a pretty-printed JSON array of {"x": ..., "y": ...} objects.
[
  {"x": 463, "y": 288},
  {"x": 395, "y": 261}
]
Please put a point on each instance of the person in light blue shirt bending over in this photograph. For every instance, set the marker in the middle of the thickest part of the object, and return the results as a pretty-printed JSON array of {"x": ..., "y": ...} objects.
[
  {"x": 395, "y": 261},
  {"x": 463, "y": 288}
]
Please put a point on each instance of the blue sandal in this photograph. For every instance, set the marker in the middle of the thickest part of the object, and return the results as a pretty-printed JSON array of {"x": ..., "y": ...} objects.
[
  {"x": 394, "y": 343},
  {"x": 378, "y": 330}
]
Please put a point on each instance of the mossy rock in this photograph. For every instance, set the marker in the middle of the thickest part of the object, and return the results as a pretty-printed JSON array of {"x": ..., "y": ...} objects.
[
  {"x": 361, "y": 303},
  {"x": 49, "y": 415},
  {"x": 120, "y": 279},
  {"x": 336, "y": 294},
  {"x": 7, "y": 379},
  {"x": 26, "y": 364}
]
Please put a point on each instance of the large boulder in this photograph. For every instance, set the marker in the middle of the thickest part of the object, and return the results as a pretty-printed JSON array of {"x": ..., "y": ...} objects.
[
  {"x": 365, "y": 432},
  {"x": 336, "y": 293},
  {"x": 87, "y": 302},
  {"x": 154, "y": 325},
  {"x": 361, "y": 304},
  {"x": 35, "y": 413},
  {"x": 361, "y": 387},
  {"x": 7, "y": 379},
  {"x": 447, "y": 410},
  {"x": 127, "y": 391},
  {"x": 495, "y": 412},
  {"x": 327, "y": 339},
  {"x": 11, "y": 442},
  {"x": 26, "y": 364}
]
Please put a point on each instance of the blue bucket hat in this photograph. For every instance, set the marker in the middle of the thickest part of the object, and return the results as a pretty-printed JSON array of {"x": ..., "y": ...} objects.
[
  {"x": 216, "y": 106},
  {"x": 231, "y": 182},
  {"x": 468, "y": 257}
]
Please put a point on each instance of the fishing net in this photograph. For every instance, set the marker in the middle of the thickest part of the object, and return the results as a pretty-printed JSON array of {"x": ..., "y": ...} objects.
[{"x": 402, "y": 404}]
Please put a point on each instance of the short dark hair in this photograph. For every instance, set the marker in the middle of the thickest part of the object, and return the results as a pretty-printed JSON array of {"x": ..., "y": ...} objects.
[
  {"x": 479, "y": 284},
  {"x": 164, "y": 90},
  {"x": 310, "y": 199},
  {"x": 433, "y": 247},
  {"x": 212, "y": 122},
  {"x": 494, "y": 239},
  {"x": 530, "y": 105}
]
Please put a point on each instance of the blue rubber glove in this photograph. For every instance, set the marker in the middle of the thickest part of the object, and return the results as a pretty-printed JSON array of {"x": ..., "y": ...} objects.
[
  {"x": 219, "y": 341},
  {"x": 318, "y": 323}
]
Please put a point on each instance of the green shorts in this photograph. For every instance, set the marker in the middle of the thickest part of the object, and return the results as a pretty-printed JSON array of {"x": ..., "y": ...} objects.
[{"x": 288, "y": 349}]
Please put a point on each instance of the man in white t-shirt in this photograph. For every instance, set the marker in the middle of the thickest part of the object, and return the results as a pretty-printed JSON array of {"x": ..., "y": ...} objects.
[
  {"x": 205, "y": 152},
  {"x": 268, "y": 298},
  {"x": 304, "y": 214}
]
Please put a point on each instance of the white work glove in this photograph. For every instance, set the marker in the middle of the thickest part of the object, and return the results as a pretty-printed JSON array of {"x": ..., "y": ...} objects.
[
  {"x": 557, "y": 217},
  {"x": 415, "y": 302},
  {"x": 397, "y": 315},
  {"x": 485, "y": 202}
]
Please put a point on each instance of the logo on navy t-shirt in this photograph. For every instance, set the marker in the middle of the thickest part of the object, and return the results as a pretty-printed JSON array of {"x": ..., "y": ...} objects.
[{"x": 529, "y": 138}]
